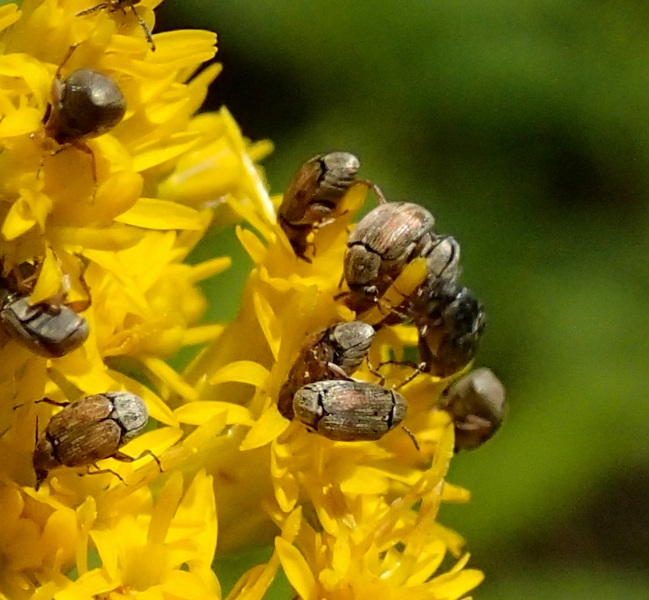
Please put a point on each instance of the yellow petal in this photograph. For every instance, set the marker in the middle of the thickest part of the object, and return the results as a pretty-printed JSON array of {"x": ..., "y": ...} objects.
[
  {"x": 49, "y": 280},
  {"x": 18, "y": 221},
  {"x": 150, "y": 213},
  {"x": 269, "y": 426},
  {"x": 183, "y": 48},
  {"x": 252, "y": 245},
  {"x": 110, "y": 239},
  {"x": 153, "y": 154},
  {"x": 168, "y": 376},
  {"x": 296, "y": 569},
  {"x": 268, "y": 322},
  {"x": 9, "y": 14},
  {"x": 208, "y": 268},
  {"x": 242, "y": 371},
  {"x": 197, "y": 413}
]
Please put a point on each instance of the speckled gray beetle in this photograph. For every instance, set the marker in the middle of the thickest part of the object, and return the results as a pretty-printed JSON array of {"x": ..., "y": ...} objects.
[
  {"x": 89, "y": 430},
  {"x": 449, "y": 339},
  {"x": 334, "y": 353},
  {"x": 348, "y": 410},
  {"x": 443, "y": 267},
  {"x": 50, "y": 330},
  {"x": 113, "y": 5},
  {"x": 381, "y": 245},
  {"x": 477, "y": 405},
  {"x": 313, "y": 194}
]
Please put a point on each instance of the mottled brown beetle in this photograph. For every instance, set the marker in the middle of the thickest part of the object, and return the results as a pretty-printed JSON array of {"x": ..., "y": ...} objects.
[
  {"x": 349, "y": 411},
  {"x": 381, "y": 245},
  {"x": 477, "y": 405},
  {"x": 313, "y": 194},
  {"x": 91, "y": 429},
  {"x": 114, "y": 5},
  {"x": 334, "y": 353},
  {"x": 449, "y": 339}
]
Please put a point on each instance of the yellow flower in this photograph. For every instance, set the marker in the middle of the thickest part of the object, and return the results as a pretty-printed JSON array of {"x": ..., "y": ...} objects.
[
  {"x": 370, "y": 507},
  {"x": 164, "y": 550},
  {"x": 104, "y": 220},
  {"x": 90, "y": 215}
]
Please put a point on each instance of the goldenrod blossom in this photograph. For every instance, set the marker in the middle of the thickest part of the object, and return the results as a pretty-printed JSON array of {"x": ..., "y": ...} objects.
[{"x": 107, "y": 223}]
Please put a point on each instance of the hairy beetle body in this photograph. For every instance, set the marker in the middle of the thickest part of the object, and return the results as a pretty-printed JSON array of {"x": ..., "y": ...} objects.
[
  {"x": 50, "y": 330},
  {"x": 89, "y": 430},
  {"x": 344, "y": 345},
  {"x": 381, "y": 245},
  {"x": 349, "y": 410},
  {"x": 313, "y": 194}
]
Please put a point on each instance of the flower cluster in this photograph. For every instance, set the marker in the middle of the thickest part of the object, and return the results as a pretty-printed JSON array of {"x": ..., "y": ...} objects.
[{"x": 98, "y": 214}]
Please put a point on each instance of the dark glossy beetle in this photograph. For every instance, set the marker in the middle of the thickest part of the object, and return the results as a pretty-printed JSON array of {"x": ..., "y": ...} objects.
[
  {"x": 313, "y": 194},
  {"x": 349, "y": 410},
  {"x": 477, "y": 405},
  {"x": 85, "y": 104},
  {"x": 114, "y": 5},
  {"x": 334, "y": 353},
  {"x": 381, "y": 245},
  {"x": 88, "y": 430},
  {"x": 449, "y": 339}
]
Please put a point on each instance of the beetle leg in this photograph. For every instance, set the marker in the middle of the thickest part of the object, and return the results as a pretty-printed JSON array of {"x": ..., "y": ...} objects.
[
  {"x": 411, "y": 435},
  {"x": 83, "y": 147},
  {"x": 47, "y": 400},
  {"x": 129, "y": 459},
  {"x": 101, "y": 472},
  {"x": 418, "y": 370},
  {"x": 376, "y": 189},
  {"x": 327, "y": 221},
  {"x": 89, "y": 11},
  {"x": 69, "y": 53},
  {"x": 145, "y": 28},
  {"x": 338, "y": 371},
  {"x": 41, "y": 476}
]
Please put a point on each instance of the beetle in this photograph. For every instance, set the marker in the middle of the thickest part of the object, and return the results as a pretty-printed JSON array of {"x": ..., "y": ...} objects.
[
  {"x": 91, "y": 429},
  {"x": 477, "y": 405},
  {"x": 443, "y": 271},
  {"x": 382, "y": 244},
  {"x": 313, "y": 194},
  {"x": 348, "y": 410},
  {"x": 84, "y": 105},
  {"x": 333, "y": 353},
  {"x": 449, "y": 338},
  {"x": 114, "y": 5},
  {"x": 50, "y": 330}
]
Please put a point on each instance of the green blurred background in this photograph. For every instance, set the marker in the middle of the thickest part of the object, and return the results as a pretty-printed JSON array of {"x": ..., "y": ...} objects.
[{"x": 523, "y": 125}]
